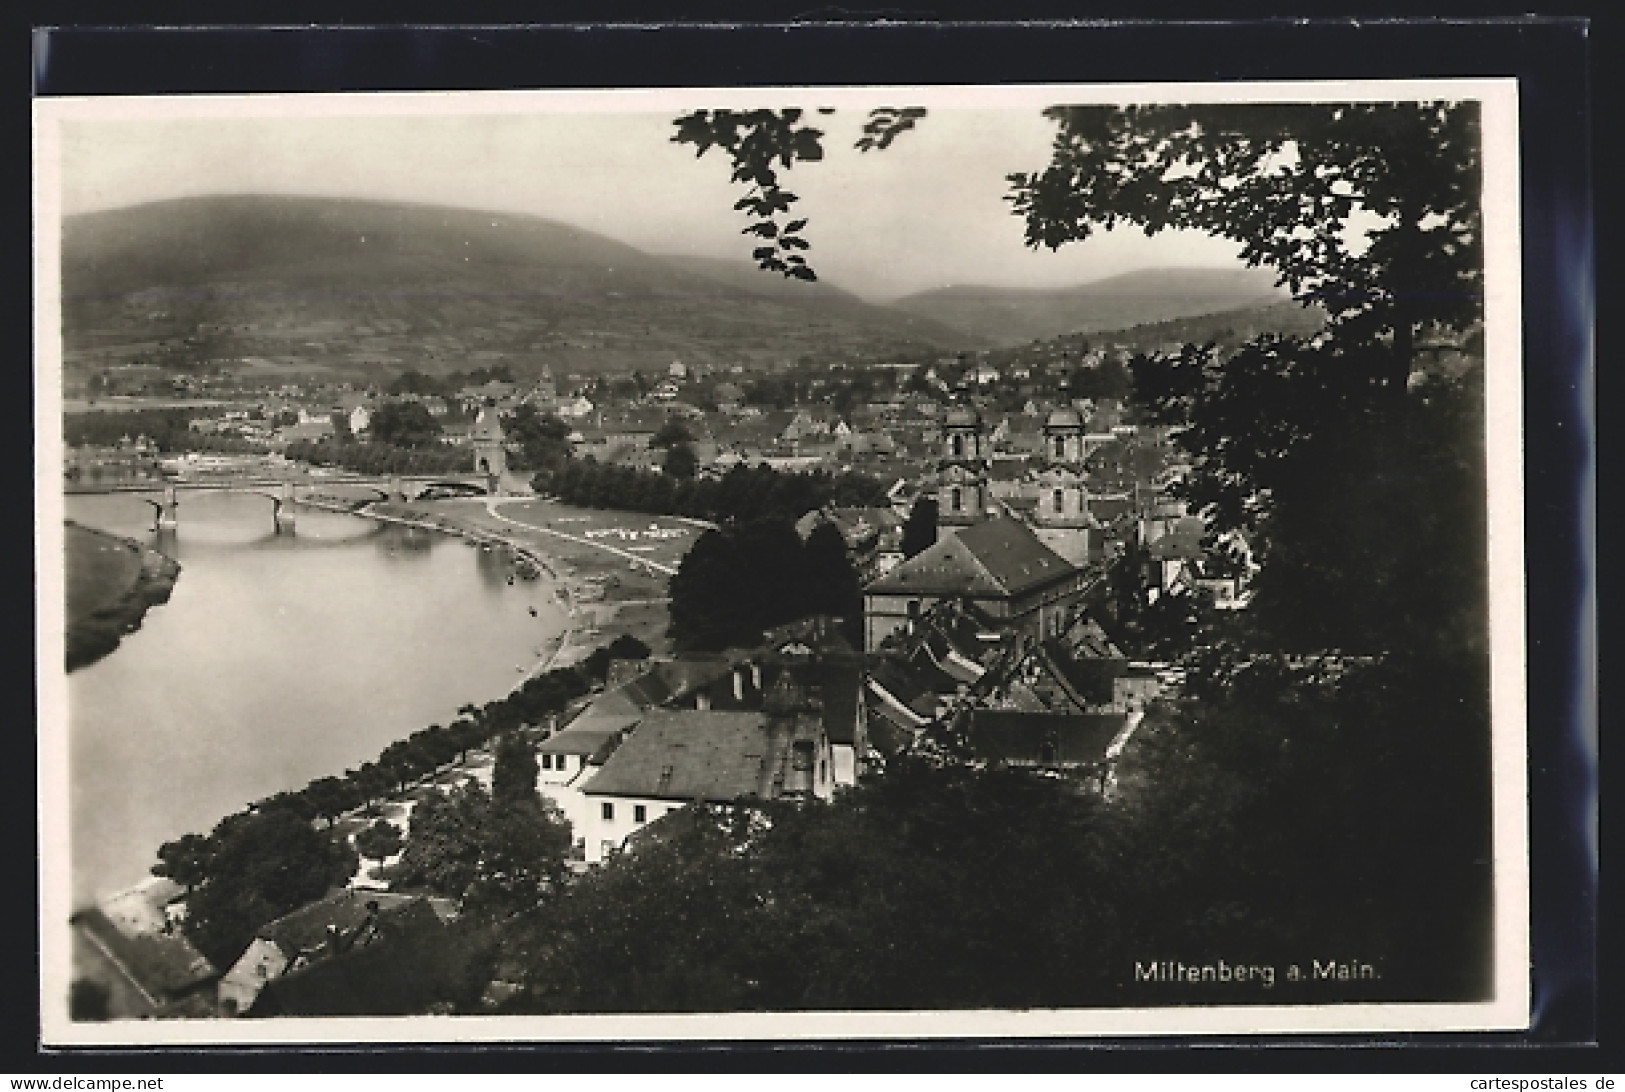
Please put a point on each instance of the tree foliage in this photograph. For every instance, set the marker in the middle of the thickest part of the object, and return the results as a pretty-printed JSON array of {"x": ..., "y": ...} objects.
[
  {"x": 379, "y": 840},
  {"x": 513, "y": 778},
  {"x": 680, "y": 462},
  {"x": 539, "y": 439},
  {"x": 259, "y": 865},
  {"x": 498, "y": 856},
  {"x": 404, "y": 424},
  {"x": 943, "y": 886},
  {"x": 761, "y": 143},
  {"x": 1371, "y": 210},
  {"x": 746, "y": 578},
  {"x": 920, "y": 529},
  {"x": 743, "y": 493}
]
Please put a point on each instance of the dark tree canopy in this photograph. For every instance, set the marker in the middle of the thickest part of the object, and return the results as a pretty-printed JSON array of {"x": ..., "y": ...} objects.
[
  {"x": 920, "y": 529},
  {"x": 673, "y": 432},
  {"x": 513, "y": 778},
  {"x": 539, "y": 437},
  {"x": 379, "y": 840},
  {"x": 404, "y": 424},
  {"x": 260, "y": 865},
  {"x": 680, "y": 462},
  {"x": 500, "y": 856},
  {"x": 745, "y": 578}
]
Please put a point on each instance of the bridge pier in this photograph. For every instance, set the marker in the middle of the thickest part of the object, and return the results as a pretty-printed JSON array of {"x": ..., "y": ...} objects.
[
  {"x": 281, "y": 512},
  {"x": 168, "y": 514}
]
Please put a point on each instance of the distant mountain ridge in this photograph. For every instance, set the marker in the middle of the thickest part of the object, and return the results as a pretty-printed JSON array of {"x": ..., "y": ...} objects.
[
  {"x": 1011, "y": 316},
  {"x": 343, "y": 282}
]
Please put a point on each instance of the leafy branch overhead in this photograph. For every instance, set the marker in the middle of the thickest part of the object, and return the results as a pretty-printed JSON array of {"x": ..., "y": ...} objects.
[
  {"x": 1369, "y": 209},
  {"x": 761, "y": 144}
]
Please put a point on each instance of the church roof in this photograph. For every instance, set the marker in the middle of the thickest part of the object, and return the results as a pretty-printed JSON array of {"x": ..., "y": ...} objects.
[{"x": 994, "y": 558}]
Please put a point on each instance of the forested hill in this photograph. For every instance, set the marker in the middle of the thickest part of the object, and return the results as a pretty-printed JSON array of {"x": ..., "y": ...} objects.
[
  {"x": 426, "y": 287},
  {"x": 1011, "y": 316}
]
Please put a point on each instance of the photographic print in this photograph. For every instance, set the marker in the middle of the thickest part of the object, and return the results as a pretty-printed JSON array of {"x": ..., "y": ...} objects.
[{"x": 831, "y": 562}]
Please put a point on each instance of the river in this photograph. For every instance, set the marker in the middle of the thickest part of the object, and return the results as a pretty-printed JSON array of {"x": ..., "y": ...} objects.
[{"x": 277, "y": 660}]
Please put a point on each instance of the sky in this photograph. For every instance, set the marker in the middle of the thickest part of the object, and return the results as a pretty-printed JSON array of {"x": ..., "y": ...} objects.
[{"x": 925, "y": 213}]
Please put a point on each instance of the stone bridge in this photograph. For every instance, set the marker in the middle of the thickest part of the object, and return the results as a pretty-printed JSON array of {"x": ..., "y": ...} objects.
[{"x": 284, "y": 493}]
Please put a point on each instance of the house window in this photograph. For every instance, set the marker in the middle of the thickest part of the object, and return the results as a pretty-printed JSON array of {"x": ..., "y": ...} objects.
[
  {"x": 547, "y": 762},
  {"x": 959, "y": 446},
  {"x": 564, "y": 762},
  {"x": 957, "y": 499},
  {"x": 1060, "y": 447},
  {"x": 640, "y": 814},
  {"x": 1059, "y": 500},
  {"x": 608, "y": 811}
]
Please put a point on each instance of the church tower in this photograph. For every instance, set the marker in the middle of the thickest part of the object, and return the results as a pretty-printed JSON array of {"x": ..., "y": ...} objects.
[
  {"x": 1061, "y": 516},
  {"x": 962, "y": 469},
  {"x": 490, "y": 456}
]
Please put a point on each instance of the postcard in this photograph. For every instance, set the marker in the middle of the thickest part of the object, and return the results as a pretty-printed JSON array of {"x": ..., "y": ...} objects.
[{"x": 781, "y": 563}]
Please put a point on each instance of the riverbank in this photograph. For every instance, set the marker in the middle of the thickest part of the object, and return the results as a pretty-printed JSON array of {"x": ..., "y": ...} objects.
[
  {"x": 605, "y": 592},
  {"x": 112, "y": 583}
]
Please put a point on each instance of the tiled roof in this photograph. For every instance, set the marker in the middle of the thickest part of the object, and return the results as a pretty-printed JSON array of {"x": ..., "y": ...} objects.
[
  {"x": 162, "y": 964},
  {"x": 407, "y": 966},
  {"x": 996, "y": 557},
  {"x": 689, "y": 754},
  {"x": 586, "y": 735},
  {"x": 306, "y": 927}
]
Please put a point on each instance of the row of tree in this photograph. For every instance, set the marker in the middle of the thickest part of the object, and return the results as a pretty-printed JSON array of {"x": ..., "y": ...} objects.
[
  {"x": 382, "y": 458},
  {"x": 743, "y": 493},
  {"x": 412, "y": 381},
  {"x": 169, "y": 430}
]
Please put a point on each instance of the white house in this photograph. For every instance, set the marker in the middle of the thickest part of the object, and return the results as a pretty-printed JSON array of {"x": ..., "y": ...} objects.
[{"x": 681, "y": 756}]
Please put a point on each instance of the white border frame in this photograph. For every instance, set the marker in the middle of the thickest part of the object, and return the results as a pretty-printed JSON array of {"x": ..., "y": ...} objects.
[{"x": 1504, "y": 444}]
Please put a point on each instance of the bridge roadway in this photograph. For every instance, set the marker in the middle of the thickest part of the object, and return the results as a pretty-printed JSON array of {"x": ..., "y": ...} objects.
[
  {"x": 279, "y": 490},
  {"x": 260, "y": 484}
]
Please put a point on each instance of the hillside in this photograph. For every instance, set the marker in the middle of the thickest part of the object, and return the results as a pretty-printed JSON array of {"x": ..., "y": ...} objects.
[
  {"x": 303, "y": 283},
  {"x": 1011, "y": 316}
]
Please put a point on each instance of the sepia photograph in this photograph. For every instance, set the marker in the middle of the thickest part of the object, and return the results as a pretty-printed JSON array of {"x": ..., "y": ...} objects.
[{"x": 780, "y": 563}]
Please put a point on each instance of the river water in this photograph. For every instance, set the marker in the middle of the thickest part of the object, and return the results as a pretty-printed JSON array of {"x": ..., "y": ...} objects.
[{"x": 277, "y": 660}]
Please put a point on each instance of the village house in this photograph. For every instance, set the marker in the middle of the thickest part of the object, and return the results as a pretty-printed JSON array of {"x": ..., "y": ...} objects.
[
  {"x": 681, "y": 756},
  {"x": 341, "y": 922}
]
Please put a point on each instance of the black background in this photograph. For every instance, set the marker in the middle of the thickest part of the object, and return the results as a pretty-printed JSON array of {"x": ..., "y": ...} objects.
[{"x": 911, "y": 44}]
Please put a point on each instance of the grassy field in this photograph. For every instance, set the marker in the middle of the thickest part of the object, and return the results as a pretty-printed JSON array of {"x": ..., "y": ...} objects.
[
  {"x": 614, "y": 563},
  {"x": 100, "y": 571}
]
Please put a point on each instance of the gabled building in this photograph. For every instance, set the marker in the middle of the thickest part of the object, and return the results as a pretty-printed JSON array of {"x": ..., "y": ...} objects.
[
  {"x": 342, "y": 922},
  {"x": 680, "y": 756},
  {"x": 997, "y": 565}
]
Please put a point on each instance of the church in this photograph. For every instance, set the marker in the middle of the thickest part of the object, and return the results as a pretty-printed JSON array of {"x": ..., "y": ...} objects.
[{"x": 1053, "y": 498}]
